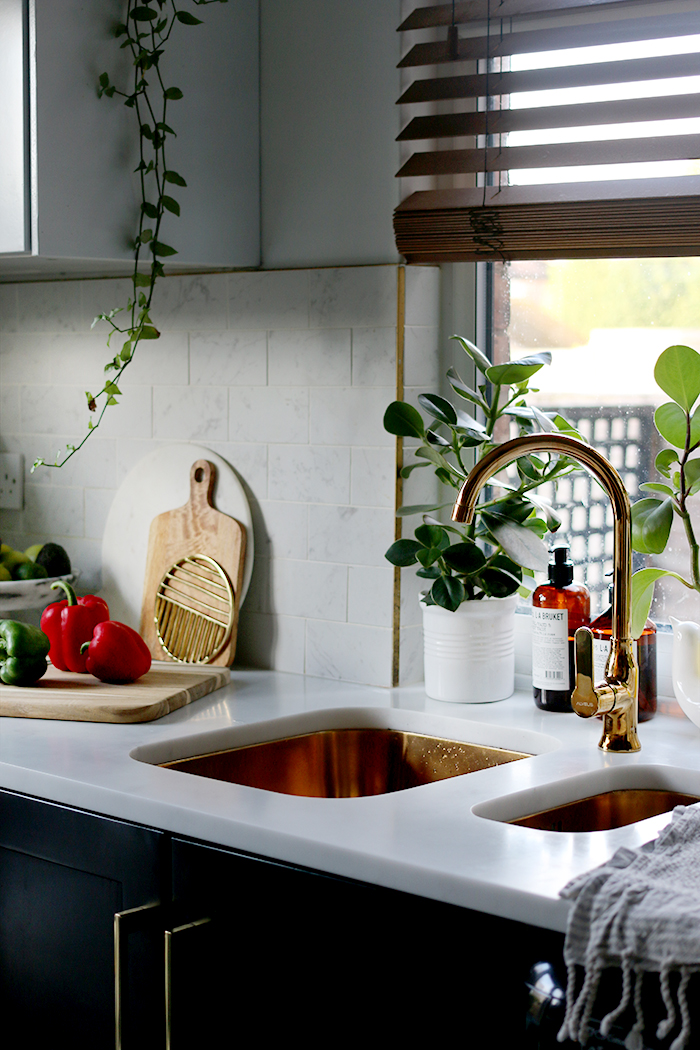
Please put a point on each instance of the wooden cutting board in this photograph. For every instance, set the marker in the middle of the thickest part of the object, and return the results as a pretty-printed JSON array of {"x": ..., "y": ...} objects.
[
  {"x": 197, "y": 528},
  {"x": 82, "y": 698}
]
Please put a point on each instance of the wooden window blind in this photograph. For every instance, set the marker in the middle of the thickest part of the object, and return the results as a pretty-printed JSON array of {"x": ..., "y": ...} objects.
[{"x": 551, "y": 129}]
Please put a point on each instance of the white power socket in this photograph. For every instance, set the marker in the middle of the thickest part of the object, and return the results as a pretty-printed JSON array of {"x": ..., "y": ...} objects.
[{"x": 11, "y": 481}]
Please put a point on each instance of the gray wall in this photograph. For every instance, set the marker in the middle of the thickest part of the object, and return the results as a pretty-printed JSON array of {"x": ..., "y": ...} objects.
[{"x": 329, "y": 86}]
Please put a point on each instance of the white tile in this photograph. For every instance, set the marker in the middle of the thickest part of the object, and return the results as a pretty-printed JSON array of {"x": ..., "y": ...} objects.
[
  {"x": 374, "y": 356},
  {"x": 423, "y": 295},
  {"x": 97, "y": 504},
  {"x": 9, "y": 410},
  {"x": 371, "y": 595},
  {"x": 272, "y": 299},
  {"x": 49, "y": 306},
  {"x": 373, "y": 477},
  {"x": 194, "y": 413},
  {"x": 30, "y": 358},
  {"x": 156, "y": 360},
  {"x": 62, "y": 410},
  {"x": 132, "y": 416},
  {"x": 94, "y": 464},
  {"x": 301, "y": 473},
  {"x": 303, "y": 588},
  {"x": 275, "y": 642},
  {"x": 54, "y": 511},
  {"x": 228, "y": 358},
  {"x": 355, "y": 535},
  {"x": 421, "y": 358},
  {"x": 130, "y": 452},
  {"x": 411, "y": 586},
  {"x": 190, "y": 302},
  {"x": 271, "y": 414},
  {"x": 349, "y": 415},
  {"x": 300, "y": 358},
  {"x": 286, "y": 527},
  {"x": 86, "y": 556},
  {"x": 353, "y": 295},
  {"x": 8, "y": 307},
  {"x": 410, "y": 655},
  {"x": 349, "y": 652},
  {"x": 249, "y": 463}
]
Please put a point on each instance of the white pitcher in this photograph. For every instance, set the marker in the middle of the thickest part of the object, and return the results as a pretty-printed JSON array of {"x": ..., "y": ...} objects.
[{"x": 685, "y": 667}]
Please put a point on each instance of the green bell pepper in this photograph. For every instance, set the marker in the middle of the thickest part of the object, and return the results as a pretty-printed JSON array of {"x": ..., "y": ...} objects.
[{"x": 23, "y": 652}]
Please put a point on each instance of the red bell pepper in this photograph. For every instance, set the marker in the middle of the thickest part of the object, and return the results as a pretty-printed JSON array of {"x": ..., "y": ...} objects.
[
  {"x": 116, "y": 653},
  {"x": 69, "y": 623}
]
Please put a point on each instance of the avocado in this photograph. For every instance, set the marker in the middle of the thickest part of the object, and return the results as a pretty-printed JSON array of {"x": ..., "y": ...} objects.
[{"x": 54, "y": 559}]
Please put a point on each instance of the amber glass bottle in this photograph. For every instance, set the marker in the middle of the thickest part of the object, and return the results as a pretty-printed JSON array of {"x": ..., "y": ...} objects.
[
  {"x": 644, "y": 654},
  {"x": 559, "y": 608}
]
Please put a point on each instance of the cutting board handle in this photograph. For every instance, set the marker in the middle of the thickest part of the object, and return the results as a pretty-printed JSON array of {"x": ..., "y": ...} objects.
[{"x": 202, "y": 478}]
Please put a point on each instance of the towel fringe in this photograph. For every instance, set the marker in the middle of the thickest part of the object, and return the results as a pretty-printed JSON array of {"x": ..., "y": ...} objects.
[
  {"x": 669, "y": 1021},
  {"x": 683, "y": 1036}
]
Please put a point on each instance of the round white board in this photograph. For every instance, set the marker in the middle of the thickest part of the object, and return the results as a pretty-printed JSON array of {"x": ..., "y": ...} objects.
[{"x": 160, "y": 482}]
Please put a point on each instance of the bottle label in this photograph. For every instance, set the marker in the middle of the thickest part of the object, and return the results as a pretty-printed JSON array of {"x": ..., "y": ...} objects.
[{"x": 550, "y": 649}]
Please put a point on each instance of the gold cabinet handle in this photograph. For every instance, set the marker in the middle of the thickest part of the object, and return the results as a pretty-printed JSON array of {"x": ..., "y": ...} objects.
[
  {"x": 123, "y": 921},
  {"x": 169, "y": 934}
]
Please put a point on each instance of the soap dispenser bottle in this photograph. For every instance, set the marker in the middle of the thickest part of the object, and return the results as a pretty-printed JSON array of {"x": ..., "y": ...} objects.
[
  {"x": 559, "y": 608},
  {"x": 644, "y": 654}
]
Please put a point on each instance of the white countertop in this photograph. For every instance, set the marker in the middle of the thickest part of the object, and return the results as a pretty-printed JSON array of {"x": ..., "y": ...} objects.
[{"x": 426, "y": 840}]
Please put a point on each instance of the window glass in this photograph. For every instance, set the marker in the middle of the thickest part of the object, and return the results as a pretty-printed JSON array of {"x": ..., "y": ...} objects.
[{"x": 605, "y": 323}]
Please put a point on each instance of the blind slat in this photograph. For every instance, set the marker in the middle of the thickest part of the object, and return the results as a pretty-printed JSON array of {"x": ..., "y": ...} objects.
[{"x": 478, "y": 10}]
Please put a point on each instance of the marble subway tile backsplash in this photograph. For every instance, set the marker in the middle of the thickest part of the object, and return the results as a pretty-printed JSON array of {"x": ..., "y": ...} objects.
[{"x": 286, "y": 374}]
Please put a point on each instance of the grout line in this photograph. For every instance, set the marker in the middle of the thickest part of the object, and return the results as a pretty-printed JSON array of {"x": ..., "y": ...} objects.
[{"x": 398, "y": 491}]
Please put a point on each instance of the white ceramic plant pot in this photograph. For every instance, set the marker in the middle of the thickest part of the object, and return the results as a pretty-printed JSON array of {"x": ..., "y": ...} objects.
[
  {"x": 469, "y": 654},
  {"x": 685, "y": 667}
]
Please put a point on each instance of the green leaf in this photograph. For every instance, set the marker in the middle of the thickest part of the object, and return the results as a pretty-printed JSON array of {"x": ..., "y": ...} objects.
[
  {"x": 519, "y": 543},
  {"x": 671, "y": 422},
  {"x": 162, "y": 126},
  {"x": 438, "y": 408},
  {"x": 407, "y": 471},
  {"x": 427, "y": 556},
  {"x": 480, "y": 359},
  {"x": 437, "y": 440},
  {"x": 403, "y": 420},
  {"x": 142, "y": 280},
  {"x": 692, "y": 476},
  {"x": 125, "y": 352},
  {"x": 187, "y": 19},
  {"x": 498, "y": 584},
  {"x": 655, "y": 486},
  {"x": 403, "y": 552},
  {"x": 665, "y": 458},
  {"x": 170, "y": 204},
  {"x": 461, "y": 388},
  {"x": 651, "y": 525},
  {"x": 517, "y": 371},
  {"x": 144, "y": 14},
  {"x": 112, "y": 388},
  {"x": 158, "y": 248},
  {"x": 172, "y": 176},
  {"x": 172, "y": 93},
  {"x": 448, "y": 592},
  {"x": 465, "y": 558},
  {"x": 149, "y": 209},
  {"x": 677, "y": 372},
  {"x": 112, "y": 401},
  {"x": 643, "y": 583},
  {"x": 146, "y": 236},
  {"x": 149, "y": 332},
  {"x": 432, "y": 536}
]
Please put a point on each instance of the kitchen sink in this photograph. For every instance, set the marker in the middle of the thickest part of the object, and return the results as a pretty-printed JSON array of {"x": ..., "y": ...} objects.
[
  {"x": 601, "y": 801},
  {"x": 347, "y": 753}
]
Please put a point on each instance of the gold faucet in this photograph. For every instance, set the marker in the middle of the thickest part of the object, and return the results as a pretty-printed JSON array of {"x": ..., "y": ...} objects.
[{"x": 616, "y": 699}]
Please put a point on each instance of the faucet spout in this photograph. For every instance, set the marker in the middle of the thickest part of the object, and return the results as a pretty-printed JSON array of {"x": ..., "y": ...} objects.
[{"x": 616, "y": 699}]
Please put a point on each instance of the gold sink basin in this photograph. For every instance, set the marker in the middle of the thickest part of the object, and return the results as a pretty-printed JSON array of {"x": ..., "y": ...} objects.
[
  {"x": 610, "y": 809},
  {"x": 345, "y": 763}
]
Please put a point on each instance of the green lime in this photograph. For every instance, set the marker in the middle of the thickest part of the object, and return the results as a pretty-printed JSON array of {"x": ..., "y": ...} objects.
[{"x": 28, "y": 570}]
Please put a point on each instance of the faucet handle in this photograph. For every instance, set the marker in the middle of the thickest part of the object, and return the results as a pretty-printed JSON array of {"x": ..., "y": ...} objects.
[{"x": 584, "y": 699}]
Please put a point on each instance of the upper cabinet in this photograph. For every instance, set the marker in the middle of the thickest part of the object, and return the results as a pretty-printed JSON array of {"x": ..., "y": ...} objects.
[{"x": 68, "y": 192}]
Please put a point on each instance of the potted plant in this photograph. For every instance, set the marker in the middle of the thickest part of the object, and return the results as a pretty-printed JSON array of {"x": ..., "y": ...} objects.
[
  {"x": 475, "y": 571},
  {"x": 677, "y": 372}
]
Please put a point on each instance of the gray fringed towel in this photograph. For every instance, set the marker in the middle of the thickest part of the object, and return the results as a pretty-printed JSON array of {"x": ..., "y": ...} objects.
[{"x": 640, "y": 912}]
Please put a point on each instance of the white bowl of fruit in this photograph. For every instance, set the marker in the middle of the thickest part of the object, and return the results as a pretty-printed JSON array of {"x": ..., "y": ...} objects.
[{"x": 26, "y": 576}]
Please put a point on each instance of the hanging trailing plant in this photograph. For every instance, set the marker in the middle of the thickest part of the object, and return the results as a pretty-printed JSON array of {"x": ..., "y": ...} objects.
[{"x": 146, "y": 31}]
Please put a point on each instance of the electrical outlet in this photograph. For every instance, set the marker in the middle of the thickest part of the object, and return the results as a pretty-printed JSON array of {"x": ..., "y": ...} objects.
[{"x": 11, "y": 481}]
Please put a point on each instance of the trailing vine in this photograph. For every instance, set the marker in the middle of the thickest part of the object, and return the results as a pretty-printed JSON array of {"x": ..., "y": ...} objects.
[{"x": 146, "y": 31}]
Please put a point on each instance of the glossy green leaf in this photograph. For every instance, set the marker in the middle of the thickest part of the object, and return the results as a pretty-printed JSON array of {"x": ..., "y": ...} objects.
[
  {"x": 664, "y": 461},
  {"x": 158, "y": 248},
  {"x": 513, "y": 372},
  {"x": 187, "y": 19},
  {"x": 643, "y": 583},
  {"x": 419, "y": 508},
  {"x": 672, "y": 423},
  {"x": 170, "y": 204},
  {"x": 172, "y": 93},
  {"x": 465, "y": 558},
  {"x": 403, "y": 420},
  {"x": 432, "y": 573},
  {"x": 677, "y": 372},
  {"x": 437, "y": 440},
  {"x": 174, "y": 178},
  {"x": 521, "y": 544},
  {"x": 651, "y": 525},
  {"x": 403, "y": 552},
  {"x": 149, "y": 332},
  {"x": 692, "y": 476},
  {"x": 448, "y": 592},
  {"x": 427, "y": 556},
  {"x": 480, "y": 359},
  {"x": 438, "y": 408},
  {"x": 432, "y": 536},
  {"x": 408, "y": 470},
  {"x": 465, "y": 391},
  {"x": 656, "y": 486}
]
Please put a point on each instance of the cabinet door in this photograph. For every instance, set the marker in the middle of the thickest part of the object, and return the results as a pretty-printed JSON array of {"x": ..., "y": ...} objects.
[
  {"x": 64, "y": 873},
  {"x": 331, "y": 959}
]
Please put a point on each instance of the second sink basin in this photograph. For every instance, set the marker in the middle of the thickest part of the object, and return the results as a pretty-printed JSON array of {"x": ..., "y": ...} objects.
[{"x": 346, "y": 753}]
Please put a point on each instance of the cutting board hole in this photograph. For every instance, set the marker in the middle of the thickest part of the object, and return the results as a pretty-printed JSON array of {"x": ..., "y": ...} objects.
[{"x": 199, "y": 474}]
